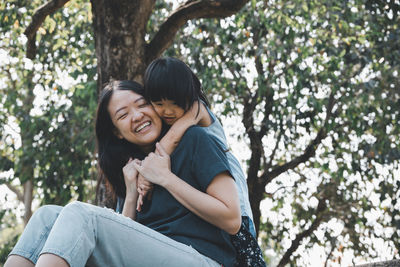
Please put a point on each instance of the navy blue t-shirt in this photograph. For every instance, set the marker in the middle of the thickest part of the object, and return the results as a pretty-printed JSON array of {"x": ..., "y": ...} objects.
[{"x": 196, "y": 160}]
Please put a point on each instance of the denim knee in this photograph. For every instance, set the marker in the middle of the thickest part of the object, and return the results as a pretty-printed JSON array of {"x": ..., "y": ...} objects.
[
  {"x": 80, "y": 212},
  {"x": 77, "y": 208},
  {"x": 75, "y": 205},
  {"x": 45, "y": 215}
]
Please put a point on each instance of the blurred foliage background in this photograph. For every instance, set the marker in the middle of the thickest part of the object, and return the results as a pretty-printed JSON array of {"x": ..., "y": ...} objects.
[{"x": 312, "y": 87}]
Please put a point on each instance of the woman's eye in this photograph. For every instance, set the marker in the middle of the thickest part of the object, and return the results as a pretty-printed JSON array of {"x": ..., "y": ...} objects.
[
  {"x": 143, "y": 105},
  {"x": 122, "y": 116}
]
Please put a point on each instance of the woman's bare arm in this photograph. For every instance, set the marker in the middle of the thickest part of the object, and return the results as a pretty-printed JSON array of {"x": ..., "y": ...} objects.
[
  {"x": 130, "y": 177},
  {"x": 218, "y": 206}
]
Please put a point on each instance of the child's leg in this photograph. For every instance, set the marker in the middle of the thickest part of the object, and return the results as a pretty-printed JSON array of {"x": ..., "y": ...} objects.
[{"x": 252, "y": 228}]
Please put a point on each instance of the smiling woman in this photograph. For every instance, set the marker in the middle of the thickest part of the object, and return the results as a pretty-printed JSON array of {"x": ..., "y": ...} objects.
[
  {"x": 188, "y": 222},
  {"x": 134, "y": 119}
]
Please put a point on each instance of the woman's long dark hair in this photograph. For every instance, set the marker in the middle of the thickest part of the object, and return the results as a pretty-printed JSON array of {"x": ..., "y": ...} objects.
[
  {"x": 113, "y": 152},
  {"x": 170, "y": 78}
]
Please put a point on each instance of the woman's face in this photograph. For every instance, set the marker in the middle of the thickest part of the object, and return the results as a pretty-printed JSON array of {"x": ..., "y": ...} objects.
[{"x": 134, "y": 119}]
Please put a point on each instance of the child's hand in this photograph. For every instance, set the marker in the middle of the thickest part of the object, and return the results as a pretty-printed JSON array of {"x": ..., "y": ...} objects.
[
  {"x": 198, "y": 114},
  {"x": 192, "y": 115},
  {"x": 144, "y": 188}
]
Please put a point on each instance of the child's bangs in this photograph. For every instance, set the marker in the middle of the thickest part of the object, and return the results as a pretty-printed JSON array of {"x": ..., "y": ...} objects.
[{"x": 171, "y": 86}]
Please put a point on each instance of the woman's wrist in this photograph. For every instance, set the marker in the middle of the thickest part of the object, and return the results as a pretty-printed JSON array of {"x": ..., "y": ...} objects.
[
  {"x": 131, "y": 197},
  {"x": 129, "y": 209},
  {"x": 168, "y": 181}
]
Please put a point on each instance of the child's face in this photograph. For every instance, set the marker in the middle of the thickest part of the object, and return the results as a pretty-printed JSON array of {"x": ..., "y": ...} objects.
[{"x": 168, "y": 111}]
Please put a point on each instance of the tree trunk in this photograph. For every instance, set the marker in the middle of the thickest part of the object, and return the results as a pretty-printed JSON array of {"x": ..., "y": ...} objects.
[
  {"x": 26, "y": 167},
  {"x": 255, "y": 198},
  {"x": 28, "y": 197},
  {"x": 119, "y": 30},
  {"x": 256, "y": 190}
]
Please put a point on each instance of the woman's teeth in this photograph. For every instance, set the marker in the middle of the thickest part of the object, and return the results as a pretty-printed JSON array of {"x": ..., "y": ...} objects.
[{"x": 142, "y": 126}]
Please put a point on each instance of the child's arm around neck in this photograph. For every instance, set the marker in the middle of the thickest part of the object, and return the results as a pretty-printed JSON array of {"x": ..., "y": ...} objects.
[{"x": 171, "y": 139}]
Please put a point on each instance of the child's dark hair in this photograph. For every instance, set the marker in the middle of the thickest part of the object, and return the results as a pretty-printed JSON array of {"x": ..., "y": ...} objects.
[{"x": 170, "y": 78}]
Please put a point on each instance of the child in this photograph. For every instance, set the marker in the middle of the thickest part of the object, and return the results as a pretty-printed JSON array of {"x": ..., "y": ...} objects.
[{"x": 174, "y": 90}]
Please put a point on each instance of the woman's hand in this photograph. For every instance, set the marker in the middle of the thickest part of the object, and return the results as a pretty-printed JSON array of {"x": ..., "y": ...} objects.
[
  {"x": 155, "y": 167},
  {"x": 130, "y": 178}
]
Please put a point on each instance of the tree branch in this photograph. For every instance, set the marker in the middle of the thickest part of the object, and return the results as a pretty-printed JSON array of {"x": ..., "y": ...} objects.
[
  {"x": 192, "y": 9},
  {"x": 278, "y": 139},
  {"x": 269, "y": 93},
  {"x": 296, "y": 242},
  {"x": 37, "y": 19},
  {"x": 309, "y": 151},
  {"x": 15, "y": 190},
  {"x": 333, "y": 246},
  {"x": 244, "y": 96}
]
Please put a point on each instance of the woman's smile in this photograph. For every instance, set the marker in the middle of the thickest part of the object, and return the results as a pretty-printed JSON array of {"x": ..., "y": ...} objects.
[{"x": 143, "y": 127}]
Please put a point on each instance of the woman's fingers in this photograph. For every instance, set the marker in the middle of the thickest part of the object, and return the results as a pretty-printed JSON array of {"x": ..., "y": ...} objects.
[
  {"x": 137, "y": 166},
  {"x": 155, "y": 167},
  {"x": 143, "y": 182}
]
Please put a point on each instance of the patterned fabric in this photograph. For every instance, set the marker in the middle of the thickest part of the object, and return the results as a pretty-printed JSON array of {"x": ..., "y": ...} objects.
[{"x": 248, "y": 253}]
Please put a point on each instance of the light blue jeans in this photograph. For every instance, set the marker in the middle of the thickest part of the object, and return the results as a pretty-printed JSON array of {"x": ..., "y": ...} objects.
[{"x": 87, "y": 235}]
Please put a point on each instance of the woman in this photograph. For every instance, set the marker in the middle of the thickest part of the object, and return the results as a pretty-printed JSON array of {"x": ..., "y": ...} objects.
[{"x": 187, "y": 222}]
